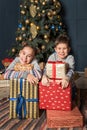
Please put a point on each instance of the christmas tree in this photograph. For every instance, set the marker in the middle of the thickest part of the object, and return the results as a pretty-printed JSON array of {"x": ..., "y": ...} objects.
[{"x": 39, "y": 24}]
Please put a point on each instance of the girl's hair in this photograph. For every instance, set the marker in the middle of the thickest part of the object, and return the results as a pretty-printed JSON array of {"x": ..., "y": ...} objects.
[
  {"x": 62, "y": 38},
  {"x": 29, "y": 45}
]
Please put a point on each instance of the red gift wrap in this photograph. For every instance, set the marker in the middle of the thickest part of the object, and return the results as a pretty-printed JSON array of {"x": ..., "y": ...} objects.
[
  {"x": 56, "y": 70},
  {"x": 54, "y": 97},
  {"x": 69, "y": 119}
]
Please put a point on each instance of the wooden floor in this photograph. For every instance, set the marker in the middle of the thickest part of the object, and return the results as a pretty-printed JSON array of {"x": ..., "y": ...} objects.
[{"x": 25, "y": 124}]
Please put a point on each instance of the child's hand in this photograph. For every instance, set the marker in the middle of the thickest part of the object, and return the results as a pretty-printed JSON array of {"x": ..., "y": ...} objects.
[
  {"x": 65, "y": 82},
  {"x": 45, "y": 80},
  {"x": 32, "y": 79}
]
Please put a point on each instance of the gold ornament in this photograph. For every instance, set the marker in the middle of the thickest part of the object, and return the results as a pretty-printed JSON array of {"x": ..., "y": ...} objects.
[
  {"x": 43, "y": 11},
  {"x": 46, "y": 27},
  {"x": 38, "y": 27},
  {"x": 25, "y": 6},
  {"x": 47, "y": 40},
  {"x": 43, "y": 47},
  {"x": 33, "y": 30},
  {"x": 30, "y": 39},
  {"x": 38, "y": 8},
  {"x": 27, "y": 21},
  {"x": 24, "y": 35},
  {"x": 13, "y": 50},
  {"x": 60, "y": 23},
  {"x": 58, "y": 3},
  {"x": 54, "y": 12},
  {"x": 56, "y": 29},
  {"x": 39, "y": 14},
  {"x": 23, "y": 28},
  {"x": 50, "y": 14},
  {"x": 58, "y": 6},
  {"x": 17, "y": 38},
  {"x": 36, "y": 1},
  {"x": 20, "y": 38},
  {"x": 22, "y": 12},
  {"x": 20, "y": 6},
  {"x": 43, "y": 3},
  {"x": 31, "y": 24},
  {"x": 33, "y": 10},
  {"x": 45, "y": 36},
  {"x": 54, "y": 0}
]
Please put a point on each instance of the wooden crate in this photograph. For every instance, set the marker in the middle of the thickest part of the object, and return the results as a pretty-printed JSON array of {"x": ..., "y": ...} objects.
[
  {"x": 4, "y": 88},
  {"x": 66, "y": 119}
]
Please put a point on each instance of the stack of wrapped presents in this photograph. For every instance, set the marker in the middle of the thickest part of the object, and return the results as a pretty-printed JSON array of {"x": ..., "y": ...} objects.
[
  {"x": 53, "y": 96},
  {"x": 27, "y": 99},
  {"x": 58, "y": 101}
]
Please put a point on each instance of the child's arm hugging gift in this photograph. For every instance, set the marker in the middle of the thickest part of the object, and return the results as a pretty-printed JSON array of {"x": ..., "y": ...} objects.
[{"x": 31, "y": 72}]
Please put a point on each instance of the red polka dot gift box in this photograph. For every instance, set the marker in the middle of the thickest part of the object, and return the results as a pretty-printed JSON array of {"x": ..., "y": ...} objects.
[{"x": 53, "y": 97}]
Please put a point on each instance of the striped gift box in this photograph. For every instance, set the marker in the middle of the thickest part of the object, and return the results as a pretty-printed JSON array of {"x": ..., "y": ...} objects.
[
  {"x": 29, "y": 92},
  {"x": 4, "y": 88}
]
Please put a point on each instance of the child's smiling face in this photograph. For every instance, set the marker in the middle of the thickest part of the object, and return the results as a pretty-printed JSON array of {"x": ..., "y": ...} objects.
[
  {"x": 62, "y": 50},
  {"x": 26, "y": 55}
]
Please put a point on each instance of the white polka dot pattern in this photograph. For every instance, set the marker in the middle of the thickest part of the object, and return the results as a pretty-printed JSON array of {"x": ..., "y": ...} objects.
[{"x": 54, "y": 97}]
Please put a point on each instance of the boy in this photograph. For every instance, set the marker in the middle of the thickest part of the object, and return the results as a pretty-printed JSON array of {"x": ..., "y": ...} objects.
[{"x": 62, "y": 49}]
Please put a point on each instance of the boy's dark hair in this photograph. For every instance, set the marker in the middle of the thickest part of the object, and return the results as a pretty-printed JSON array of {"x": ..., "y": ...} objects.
[{"x": 62, "y": 38}]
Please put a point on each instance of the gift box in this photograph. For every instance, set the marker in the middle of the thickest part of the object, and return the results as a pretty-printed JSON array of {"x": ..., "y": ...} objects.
[
  {"x": 22, "y": 92},
  {"x": 54, "y": 97},
  {"x": 6, "y": 62},
  {"x": 4, "y": 88},
  {"x": 21, "y": 67},
  {"x": 64, "y": 119},
  {"x": 56, "y": 70}
]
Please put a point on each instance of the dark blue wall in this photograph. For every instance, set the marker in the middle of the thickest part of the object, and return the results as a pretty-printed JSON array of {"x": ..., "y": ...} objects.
[
  {"x": 9, "y": 10},
  {"x": 75, "y": 17}
]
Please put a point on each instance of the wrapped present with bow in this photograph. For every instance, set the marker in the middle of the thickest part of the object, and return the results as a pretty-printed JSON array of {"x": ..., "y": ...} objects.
[
  {"x": 56, "y": 70},
  {"x": 21, "y": 67},
  {"x": 23, "y": 99}
]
